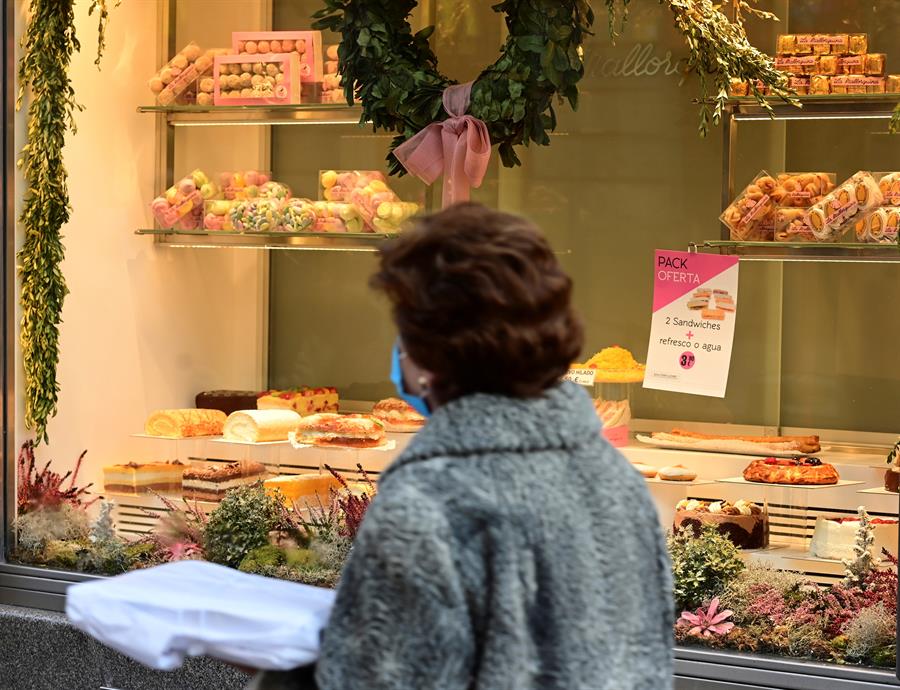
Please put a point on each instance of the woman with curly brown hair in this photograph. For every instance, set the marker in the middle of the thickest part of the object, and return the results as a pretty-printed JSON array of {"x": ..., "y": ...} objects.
[{"x": 509, "y": 547}]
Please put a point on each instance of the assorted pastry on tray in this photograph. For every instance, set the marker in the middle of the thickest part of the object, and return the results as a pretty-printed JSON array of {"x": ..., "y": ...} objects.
[
  {"x": 723, "y": 443},
  {"x": 795, "y": 471}
]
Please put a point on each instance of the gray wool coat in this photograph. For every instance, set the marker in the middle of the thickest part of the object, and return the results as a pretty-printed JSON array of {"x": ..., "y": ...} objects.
[{"x": 509, "y": 548}]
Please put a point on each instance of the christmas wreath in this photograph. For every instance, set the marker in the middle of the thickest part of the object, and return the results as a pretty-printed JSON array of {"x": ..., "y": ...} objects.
[{"x": 394, "y": 74}]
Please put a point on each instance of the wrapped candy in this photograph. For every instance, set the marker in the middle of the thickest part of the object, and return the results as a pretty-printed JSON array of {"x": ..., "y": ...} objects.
[
  {"x": 391, "y": 215},
  {"x": 333, "y": 216},
  {"x": 217, "y": 215},
  {"x": 242, "y": 184},
  {"x": 274, "y": 190},
  {"x": 339, "y": 186},
  {"x": 257, "y": 215},
  {"x": 182, "y": 198},
  {"x": 299, "y": 215}
]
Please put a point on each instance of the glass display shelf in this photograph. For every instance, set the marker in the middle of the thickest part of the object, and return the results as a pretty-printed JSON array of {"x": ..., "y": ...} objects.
[
  {"x": 873, "y": 106},
  {"x": 310, "y": 241},
  {"x": 300, "y": 114},
  {"x": 803, "y": 251}
]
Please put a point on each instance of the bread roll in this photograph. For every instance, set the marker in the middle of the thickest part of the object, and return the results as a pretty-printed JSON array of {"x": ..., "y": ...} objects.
[
  {"x": 185, "y": 423},
  {"x": 260, "y": 426}
]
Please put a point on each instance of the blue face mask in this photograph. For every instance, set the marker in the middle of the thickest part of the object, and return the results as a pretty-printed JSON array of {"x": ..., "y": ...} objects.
[{"x": 418, "y": 402}]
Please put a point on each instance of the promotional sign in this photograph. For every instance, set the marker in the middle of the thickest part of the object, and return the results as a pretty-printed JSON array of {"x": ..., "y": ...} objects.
[
  {"x": 694, "y": 309},
  {"x": 583, "y": 377}
]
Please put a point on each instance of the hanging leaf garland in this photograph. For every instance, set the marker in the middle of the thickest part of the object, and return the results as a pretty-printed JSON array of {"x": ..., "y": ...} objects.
[
  {"x": 394, "y": 74},
  {"x": 47, "y": 48}
]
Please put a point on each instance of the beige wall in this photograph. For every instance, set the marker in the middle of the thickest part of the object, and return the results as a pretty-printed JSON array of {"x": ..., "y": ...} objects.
[{"x": 144, "y": 327}]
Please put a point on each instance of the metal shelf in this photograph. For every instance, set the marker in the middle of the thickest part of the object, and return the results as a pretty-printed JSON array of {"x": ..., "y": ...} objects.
[
  {"x": 879, "y": 106},
  {"x": 309, "y": 241},
  {"x": 847, "y": 252},
  {"x": 301, "y": 114}
]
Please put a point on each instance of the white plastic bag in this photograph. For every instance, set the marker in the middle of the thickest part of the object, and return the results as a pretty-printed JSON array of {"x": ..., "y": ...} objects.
[{"x": 191, "y": 608}]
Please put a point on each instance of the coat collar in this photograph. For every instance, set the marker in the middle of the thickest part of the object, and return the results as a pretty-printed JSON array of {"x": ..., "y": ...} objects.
[{"x": 561, "y": 418}]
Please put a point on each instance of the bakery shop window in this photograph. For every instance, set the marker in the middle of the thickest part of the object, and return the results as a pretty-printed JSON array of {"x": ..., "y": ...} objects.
[{"x": 236, "y": 378}]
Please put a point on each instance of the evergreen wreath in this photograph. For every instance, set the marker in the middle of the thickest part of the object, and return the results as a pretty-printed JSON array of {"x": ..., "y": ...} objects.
[{"x": 394, "y": 73}]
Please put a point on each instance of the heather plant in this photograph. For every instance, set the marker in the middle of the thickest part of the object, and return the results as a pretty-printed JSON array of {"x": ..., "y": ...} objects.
[
  {"x": 871, "y": 630},
  {"x": 757, "y": 582},
  {"x": 702, "y": 566}
]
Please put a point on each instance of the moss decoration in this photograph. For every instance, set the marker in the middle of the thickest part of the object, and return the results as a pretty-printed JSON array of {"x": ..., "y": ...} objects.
[{"x": 47, "y": 48}]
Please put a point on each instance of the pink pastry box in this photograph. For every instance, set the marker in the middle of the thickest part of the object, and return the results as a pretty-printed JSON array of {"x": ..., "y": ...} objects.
[
  {"x": 306, "y": 45},
  {"x": 270, "y": 79}
]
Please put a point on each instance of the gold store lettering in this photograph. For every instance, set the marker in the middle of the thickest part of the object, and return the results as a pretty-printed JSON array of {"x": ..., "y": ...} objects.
[{"x": 639, "y": 62}]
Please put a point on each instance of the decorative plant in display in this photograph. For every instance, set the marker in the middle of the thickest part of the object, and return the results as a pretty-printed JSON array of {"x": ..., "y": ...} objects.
[
  {"x": 707, "y": 622},
  {"x": 785, "y": 613},
  {"x": 179, "y": 534},
  {"x": 857, "y": 568},
  {"x": 702, "y": 566},
  {"x": 394, "y": 73},
  {"x": 44, "y": 489},
  {"x": 48, "y": 44},
  {"x": 241, "y": 523}
]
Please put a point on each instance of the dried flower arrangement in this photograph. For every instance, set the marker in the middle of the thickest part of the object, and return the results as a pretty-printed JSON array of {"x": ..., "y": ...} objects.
[
  {"x": 250, "y": 529},
  {"x": 784, "y": 613}
]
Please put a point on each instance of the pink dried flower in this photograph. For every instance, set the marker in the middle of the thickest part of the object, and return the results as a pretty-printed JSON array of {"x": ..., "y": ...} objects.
[
  {"x": 44, "y": 489},
  {"x": 769, "y": 603},
  {"x": 353, "y": 506},
  {"x": 707, "y": 623}
]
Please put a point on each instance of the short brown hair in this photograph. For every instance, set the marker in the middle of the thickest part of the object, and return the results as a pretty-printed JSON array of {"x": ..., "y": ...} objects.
[{"x": 481, "y": 302}]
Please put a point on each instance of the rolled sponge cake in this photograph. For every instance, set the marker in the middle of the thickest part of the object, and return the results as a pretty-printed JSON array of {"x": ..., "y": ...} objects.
[
  {"x": 260, "y": 426},
  {"x": 185, "y": 423}
]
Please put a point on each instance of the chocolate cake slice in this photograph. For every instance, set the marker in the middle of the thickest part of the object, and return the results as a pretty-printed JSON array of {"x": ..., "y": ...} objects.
[{"x": 227, "y": 401}]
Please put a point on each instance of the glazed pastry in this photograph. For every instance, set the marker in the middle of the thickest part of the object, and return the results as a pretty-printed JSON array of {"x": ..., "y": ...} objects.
[
  {"x": 892, "y": 84},
  {"x": 791, "y": 471},
  {"x": 677, "y": 473},
  {"x": 647, "y": 470},
  {"x": 829, "y": 65},
  {"x": 852, "y": 64},
  {"x": 260, "y": 426},
  {"x": 185, "y": 423}
]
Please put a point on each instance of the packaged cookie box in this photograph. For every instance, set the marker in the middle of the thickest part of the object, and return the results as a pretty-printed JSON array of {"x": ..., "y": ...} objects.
[
  {"x": 881, "y": 226},
  {"x": 272, "y": 79},
  {"x": 840, "y": 210},
  {"x": 306, "y": 45},
  {"x": 889, "y": 184},
  {"x": 822, "y": 44},
  {"x": 802, "y": 189},
  {"x": 751, "y": 216},
  {"x": 174, "y": 82}
]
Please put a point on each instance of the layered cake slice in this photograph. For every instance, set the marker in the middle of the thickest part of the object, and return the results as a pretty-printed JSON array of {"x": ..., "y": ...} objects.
[
  {"x": 744, "y": 523},
  {"x": 209, "y": 483},
  {"x": 140, "y": 478},
  {"x": 305, "y": 401},
  {"x": 303, "y": 488},
  {"x": 834, "y": 538},
  {"x": 227, "y": 401}
]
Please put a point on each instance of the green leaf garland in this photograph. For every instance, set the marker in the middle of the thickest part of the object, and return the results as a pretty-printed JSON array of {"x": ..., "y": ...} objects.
[
  {"x": 47, "y": 48},
  {"x": 394, "y": 74}
]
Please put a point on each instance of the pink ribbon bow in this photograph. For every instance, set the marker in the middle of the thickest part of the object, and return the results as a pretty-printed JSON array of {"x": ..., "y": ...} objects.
[{"x": 459, "y": 147}]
